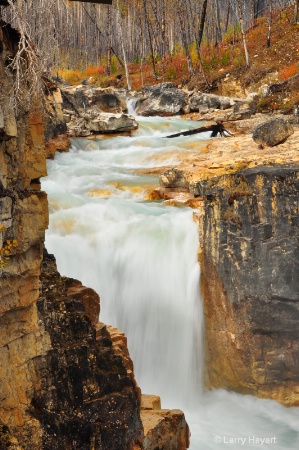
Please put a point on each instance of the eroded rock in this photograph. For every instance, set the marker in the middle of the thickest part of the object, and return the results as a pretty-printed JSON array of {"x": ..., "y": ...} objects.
[
  {"x": 273, "y": 132},
  {"x": 202, "y": 103},
  {"x": 174, "y": 178},
  {"x": 249, "y": 263},
  {"x": 106, "y": 123},
  {"x": 163, "y": 428},
  {"x": 161, "y": 100}
]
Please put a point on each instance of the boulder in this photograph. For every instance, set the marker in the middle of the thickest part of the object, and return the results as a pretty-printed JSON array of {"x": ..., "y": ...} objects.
[
  {"x": 88, "y": 110},
  {"x": 272, "y": 132},
  {"x": 107, "y": 102},
  {"x": 164, "y": 429},
  {"x": 108, "y": 123},
  {"x": 163, "y": 100},
  {"x": 200, "y": 102},
  {"x": 74, "y": 98}
]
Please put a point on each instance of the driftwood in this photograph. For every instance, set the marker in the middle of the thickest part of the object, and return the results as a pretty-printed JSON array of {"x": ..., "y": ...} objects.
[{"x": 215, "y": 129}]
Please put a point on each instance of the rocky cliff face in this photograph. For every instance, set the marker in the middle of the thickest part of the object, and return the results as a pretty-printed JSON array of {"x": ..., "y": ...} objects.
[
  {"x": 250, "y": 263},
  {"x": 66, "y": 380},
  {"x": 23, "y": 214},
  {"x": 62, "y": 384}
]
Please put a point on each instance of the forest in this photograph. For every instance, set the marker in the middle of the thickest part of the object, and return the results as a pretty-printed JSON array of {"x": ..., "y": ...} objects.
[{"x": 169, "y": 38}]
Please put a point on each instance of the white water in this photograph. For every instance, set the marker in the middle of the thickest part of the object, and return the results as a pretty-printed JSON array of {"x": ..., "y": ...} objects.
[{"x": 141, "y": 258}]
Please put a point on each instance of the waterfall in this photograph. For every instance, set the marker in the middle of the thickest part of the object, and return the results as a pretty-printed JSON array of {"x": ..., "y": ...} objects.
[
  {"x": 141, "y": 257},
  {"x": 131, "y": 105}
]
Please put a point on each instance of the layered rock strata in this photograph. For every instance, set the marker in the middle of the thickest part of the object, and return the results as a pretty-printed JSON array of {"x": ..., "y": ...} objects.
[
  {"x": 62, "y": 385},
  {"x": 66, "y": 381},
  {"x": 163, "y": 428},
  {"x": 250, "y": 262},
  {"x": 85, "y": 397}
]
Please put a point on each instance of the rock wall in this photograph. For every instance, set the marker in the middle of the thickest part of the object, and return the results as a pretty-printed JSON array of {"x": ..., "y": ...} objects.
[
  {"x": 61, "y": 383},
  {"x": 23, "y": 219},
  {"x": 66, "y": 380},
  {"x": 250, "y": 262}
]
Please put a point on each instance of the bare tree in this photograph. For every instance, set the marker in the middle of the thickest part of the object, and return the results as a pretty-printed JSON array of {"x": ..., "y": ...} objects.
[
  {"x": 123, "y": 47},
  {"x": 269, "y": 24},
  {"x": 240, "y": 15},
  {"x": 201, "y": 25},
  {"x": 26, "y": 68},
  {"x": 182, "y": 18}
]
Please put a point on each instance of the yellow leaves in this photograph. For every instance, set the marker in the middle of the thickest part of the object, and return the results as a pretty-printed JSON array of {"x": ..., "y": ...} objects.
[{"x": 7, "y": 250}]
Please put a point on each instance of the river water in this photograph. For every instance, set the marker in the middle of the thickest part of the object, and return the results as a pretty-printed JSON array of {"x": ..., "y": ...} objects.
[{"x": 141, "y": 257}]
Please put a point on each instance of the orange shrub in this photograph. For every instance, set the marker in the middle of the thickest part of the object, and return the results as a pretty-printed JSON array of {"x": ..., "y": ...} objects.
[
  {"x": 288, "y": 71},
  {"x": 93, "y": 71}
]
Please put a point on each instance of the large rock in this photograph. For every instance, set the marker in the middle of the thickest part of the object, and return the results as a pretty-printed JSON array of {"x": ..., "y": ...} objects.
[
  {"x": 74, "y": 98},
  {"x": 161, "y": 100},
  {"x": 272, "y": 132},
  {"x": 89, "y": 110},
  {"x": 82, "y": 380},
  {"x": 108, "y": 123},
  {"x": 200, "y": 102},
  {"x": 163, "y": 428},
  {"x": 106, "y": 101}
]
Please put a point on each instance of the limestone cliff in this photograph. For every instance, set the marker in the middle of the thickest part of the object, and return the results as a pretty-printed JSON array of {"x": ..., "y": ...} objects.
[
  {"x": 62, "y": 385},
  {"x": 66, "y": 380},
  {"x": 249, "y": 262},
  {"x": 23, "y": 213}
]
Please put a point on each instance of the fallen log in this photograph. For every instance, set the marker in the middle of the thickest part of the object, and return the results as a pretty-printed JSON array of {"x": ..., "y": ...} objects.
[{"x": 218, "y": 128}]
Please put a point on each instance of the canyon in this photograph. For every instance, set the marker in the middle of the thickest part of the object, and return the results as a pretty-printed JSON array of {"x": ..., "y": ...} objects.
[{"x": 67, "y": 380}]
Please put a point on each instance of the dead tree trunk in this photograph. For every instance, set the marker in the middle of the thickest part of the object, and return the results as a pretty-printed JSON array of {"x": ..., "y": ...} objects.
[
  {"x": 269, "y": 25},
  {"x": 123, "y": 47},
  {"x": 241, "y": 20},
  {"x": 182, "y": 19},
  {"x": 216, "y": 129},
  {"x": 149, "y": 36}
]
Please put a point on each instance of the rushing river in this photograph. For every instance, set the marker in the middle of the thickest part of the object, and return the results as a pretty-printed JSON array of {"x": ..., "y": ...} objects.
[{"x": 141, "y": 257}]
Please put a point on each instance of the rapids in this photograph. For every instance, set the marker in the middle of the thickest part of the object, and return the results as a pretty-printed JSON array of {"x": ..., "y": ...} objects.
[{"x": 141, "y": 257}]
